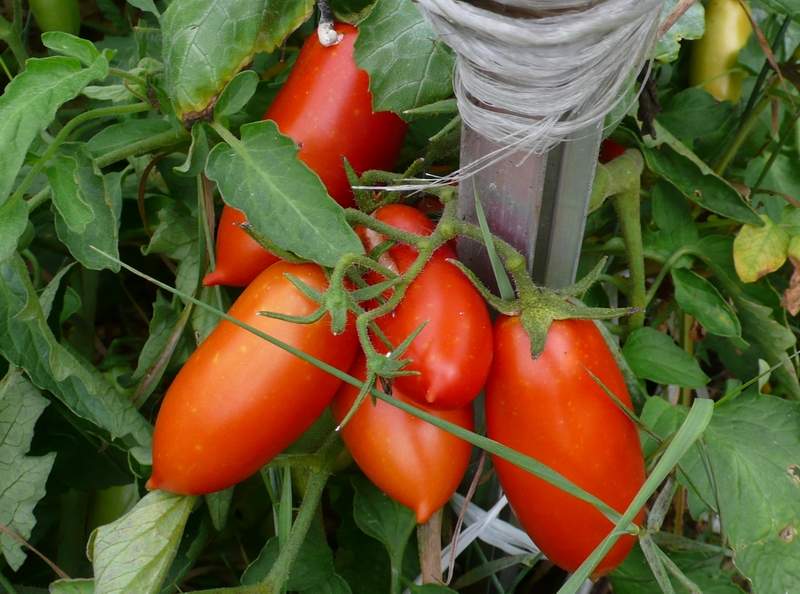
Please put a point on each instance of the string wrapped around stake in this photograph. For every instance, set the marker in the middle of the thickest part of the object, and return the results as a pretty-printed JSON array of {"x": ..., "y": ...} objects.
[{"x": 530, "y": 74}]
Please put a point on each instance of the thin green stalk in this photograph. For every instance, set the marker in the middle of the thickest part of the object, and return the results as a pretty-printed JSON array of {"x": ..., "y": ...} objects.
[
  {"x": 9, "y": 588},
  {"x": 38, "y": 199},
  {"x": 157, "y": 141},
  {"x": 5, "y": 69},
  {"x": 125, "y": 75},
  {"x": 784, "y": 137},
  {"x": 63, "y": 135},
  {"x": 493, "y": 447},
  {"x": 316, "y": 485},
  {"x": 741, "y": 135},
  {"x": 665, "y": 269},
  {"x": 627, "y": 205}
]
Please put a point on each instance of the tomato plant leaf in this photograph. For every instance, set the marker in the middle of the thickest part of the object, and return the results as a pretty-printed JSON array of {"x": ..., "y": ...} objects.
[
  {"x": 236, "y": 94},
  {"x": 134, "y": 553},
  {"x": 407, "y": 64},
  {"x": 49, "y": 294},
  {"x": 198, "y": 152},
  {"x": 757, "y": 251},
  {"x": 206, "y": 43},
  {"x": 282, "y": 198},
  {"x": 671, "y": 159},
  {"x": 145, "y": 5},
  {"x": 698, "y": 297},
  {"x": 653, "y": 355},
  {"x": 88, "y": 206},
  {"x": 753, "y": 447},
  {"x": 29, "y": 104},
  {"x": 117, "y": 136},
  {"x": 769, "y": 339},
  {"x": 312, "y": 569},
  {"x": 691, "y": 25},
  {"x": 72, "y": 46},
  {"x": 704, "y": 568},
  {"x": 22, "y": 478},
  {"x": 382, "y": 518},
  {"x": 694, "y": 113},
  {"x": 75, "y": 586},
  {"x": 13, "y": 222},
  {"x": 27, "y": 341}
]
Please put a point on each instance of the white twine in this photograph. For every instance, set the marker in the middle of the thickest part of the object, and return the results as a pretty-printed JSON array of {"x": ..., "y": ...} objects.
[
  {"x": 548, "y": 68},
  {"x": 532, "y": 73}
]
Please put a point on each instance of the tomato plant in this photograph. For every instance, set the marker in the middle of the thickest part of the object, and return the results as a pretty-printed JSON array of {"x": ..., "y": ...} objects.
[
  {"x": 451, "y": 355},
  {"x": 414, "y": 462},
  {"x": 238, "y": 402},
  {"x": 325, "y": 106},
  {"x": 119, "y": 366},
  {"x": 554, "y": 410}
]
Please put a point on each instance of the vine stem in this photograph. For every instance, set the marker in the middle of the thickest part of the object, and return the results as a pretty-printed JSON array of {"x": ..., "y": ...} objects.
[
  {"x": 163, "y": 139},
  {"x": 429, "y": 538},
  {"x": 63, "y": 135},
  {"x": 277, "y": 576},
  {"x": 741, "y": 135},
  {"x": 627, "y": 206}
]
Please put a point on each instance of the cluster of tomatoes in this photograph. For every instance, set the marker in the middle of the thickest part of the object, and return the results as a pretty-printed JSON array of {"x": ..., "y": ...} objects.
[{"x": 239, "y": 400}]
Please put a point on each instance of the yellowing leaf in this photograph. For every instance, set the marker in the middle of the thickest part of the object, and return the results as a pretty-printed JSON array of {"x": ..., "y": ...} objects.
[{"x": 757, "y": 251}]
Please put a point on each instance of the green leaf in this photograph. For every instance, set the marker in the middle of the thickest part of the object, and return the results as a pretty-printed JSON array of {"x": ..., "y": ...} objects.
[
  {"x": 335, "y": 585},
  {"x": 351, "y": 11},
  {"x": 431, "y": 589},
  {"x": 198, "y": 152},
  {"x": 407, "y": 64},
  {"x": 49, "y": 294},
  {"x": 383, "y": 519},
  {"x": 236, "y": 94},
  {"x": 705, "y": 569},
  {"x": 205, "y": 44},
  {"x": 219, "y": 506},
  {"x": 787, "y": 7},
  {"x": 282, "y": 198},
  {"x": 75, "y": 586},
  {"x": 757, "y": 251},
  {"x": 769, "y": 339},
  {"x": 134, "y": 553},
  {"x": 672, "y": 160},
  {"x": 281, "y": 18},
  {"x": 22, "y": 478},
  {"x": 29, "y": 104},
  {"x": 691, "y": 25},
  {"x": 145, "y": 5},
  {"x": 117, "y": 136},
  {"x": 71, "y": 46},
  {"x": 694, "y": 113},
  {"x": 753, "y": 447},
  {"x": 654, "y": 356},
  {"x": 698, "y": 297},
  {"x": 312, "y": 569},
  {"x": 165, "y": 317},
  {"x": 87, "y": 207},
  {"x": 13, "y": 222},
  {"x": 27, "y": 341},
  {"x": 176, "y": 236}
]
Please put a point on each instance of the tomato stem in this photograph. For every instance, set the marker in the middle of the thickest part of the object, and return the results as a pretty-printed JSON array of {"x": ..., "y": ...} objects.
[{"x": 429, "y": 538}]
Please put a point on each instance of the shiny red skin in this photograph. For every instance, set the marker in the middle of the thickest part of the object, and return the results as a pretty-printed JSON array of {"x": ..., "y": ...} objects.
[
  {"x": 325, "y": 106},
  {"x": 453, "y": 352},
  {"x": 415, "y": 463},
  {"x": 610, "y": 150},
  {"x": 551, "y": 409},
  {"x": 239, "y": 400}
]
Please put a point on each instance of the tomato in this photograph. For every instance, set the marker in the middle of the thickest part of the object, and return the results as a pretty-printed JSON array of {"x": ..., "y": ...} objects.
[
  {"x": 453, "y": 352},
  {"x": 239, "y": 400},
  {"x": 57, "y": 15},
  {"x": 551, "y": 409},
  {"x": 325, "y": 106},
  {"x": 610, "y": 150},
  {"x": 412, "y": 461},
  {"x": 714, "y": 56}
]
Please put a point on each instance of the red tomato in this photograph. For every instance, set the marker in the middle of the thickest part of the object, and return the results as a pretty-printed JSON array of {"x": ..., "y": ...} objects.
[
  {"x": 239, "y": 400},
  {"x": 551, "y": 409},
  {"x": 325, "y": 106},
  {"x": 412, "y": 461},
  {"x": 453, "y": 352},
  {"x": 610, "y": 150}
]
